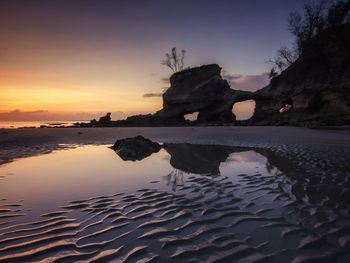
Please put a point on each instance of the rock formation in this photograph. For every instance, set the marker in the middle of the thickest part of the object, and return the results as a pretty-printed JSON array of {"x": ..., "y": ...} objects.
[
  {"x": 137, "y": 148},
  {"x": 317, "y": 85},
  {"x": 102, "y": 122},
  {"x": 201, "y": 90},
  {"x": 313, "y": 90}
]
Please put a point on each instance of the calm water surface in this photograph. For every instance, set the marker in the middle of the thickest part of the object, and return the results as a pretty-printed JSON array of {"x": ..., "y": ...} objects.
[
  {"x": 37, "y": 124},
  {"x": 185, "y": 203},
  {"x": 48, "y": 181}
]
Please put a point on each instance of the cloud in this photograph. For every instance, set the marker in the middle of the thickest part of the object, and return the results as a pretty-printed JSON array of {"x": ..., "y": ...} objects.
[
  {"x": 14, "y": 112},
  {"x": 247, "y": 82},
  {"x": 18, "y": 115},
  {"x": 151, "y": 95},
  {"x": 44, "y": 115}
]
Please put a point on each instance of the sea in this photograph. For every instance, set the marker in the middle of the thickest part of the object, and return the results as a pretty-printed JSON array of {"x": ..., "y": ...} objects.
[{"x": 36, "y": 124}]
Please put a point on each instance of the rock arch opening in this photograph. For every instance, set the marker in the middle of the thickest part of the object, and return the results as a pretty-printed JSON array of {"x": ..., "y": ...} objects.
[
  {"x": 244, "y": 110},
  {"x": 191, "y": 116}
]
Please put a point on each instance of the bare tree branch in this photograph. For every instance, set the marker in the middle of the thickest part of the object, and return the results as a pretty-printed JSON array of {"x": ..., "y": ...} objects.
[{"x": 175, "y": 61}]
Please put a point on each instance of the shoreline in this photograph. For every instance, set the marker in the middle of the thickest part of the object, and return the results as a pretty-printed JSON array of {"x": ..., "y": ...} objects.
[
  {"x": 311, "y": 180},
  {"x": 69, "y": 135},
  {"x": 293, "y": 142}
]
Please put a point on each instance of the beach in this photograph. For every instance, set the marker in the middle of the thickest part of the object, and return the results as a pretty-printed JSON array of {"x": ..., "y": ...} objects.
[
  {"x": 252, "y": 136},
  {"x": 214, "y": 194}
]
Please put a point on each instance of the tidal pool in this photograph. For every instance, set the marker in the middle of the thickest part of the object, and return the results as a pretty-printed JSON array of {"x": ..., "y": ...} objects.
[{"x": 186, "y": 203}]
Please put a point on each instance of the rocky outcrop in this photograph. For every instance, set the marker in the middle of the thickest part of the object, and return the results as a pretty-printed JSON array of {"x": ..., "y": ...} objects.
[
  {"x": 313, "y": 90},
  {"x": 137, "y": 148},
  {"x": 201, "y": 90},
  {"x": 317, "y": 85},
  {"x": 103, "y": 121}
]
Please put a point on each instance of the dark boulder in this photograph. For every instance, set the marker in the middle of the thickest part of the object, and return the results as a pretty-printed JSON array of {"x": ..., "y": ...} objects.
[{"x": 136, "y": 148}]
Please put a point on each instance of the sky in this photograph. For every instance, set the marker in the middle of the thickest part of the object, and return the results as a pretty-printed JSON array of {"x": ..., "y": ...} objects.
[{"x": 77, "y": 59}]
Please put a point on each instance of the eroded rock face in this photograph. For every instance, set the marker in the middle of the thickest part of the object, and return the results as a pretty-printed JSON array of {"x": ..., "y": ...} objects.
[
  {"x": 137, "y": 148},
  {"x": 317, "y": 85},
  {"x": 313, "y": 90},
  {"x": 202, "y": 90}
]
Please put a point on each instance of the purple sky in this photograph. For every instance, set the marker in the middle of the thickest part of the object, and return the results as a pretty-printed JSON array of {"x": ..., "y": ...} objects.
[{"x": 104, "y": 55}]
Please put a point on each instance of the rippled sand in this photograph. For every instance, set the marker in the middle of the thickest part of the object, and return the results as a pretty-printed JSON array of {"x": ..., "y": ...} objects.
[
  {"x": 217, "y": 222},
  {"x": 299, "y": 212}
]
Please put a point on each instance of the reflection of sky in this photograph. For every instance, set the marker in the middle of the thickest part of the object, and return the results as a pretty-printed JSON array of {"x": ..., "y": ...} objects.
[
  {"x": 247, "y": 162},
  {"x": 246, "y": 157},
  {"x": 51, "y": 180}
]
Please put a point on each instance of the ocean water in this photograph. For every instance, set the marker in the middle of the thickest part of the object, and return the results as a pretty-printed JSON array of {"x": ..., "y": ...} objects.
[
  {"x": 21, "y": 124},
  {"x": 186, "y": 203}
]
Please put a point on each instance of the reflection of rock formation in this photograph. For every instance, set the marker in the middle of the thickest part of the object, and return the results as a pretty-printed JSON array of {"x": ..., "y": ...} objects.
[
  {"x": 206, "y": 160},
  {"x": 137, "y": 148},
  {"x": 174, "y": 179},
  {"x": 196, "y": 158}
]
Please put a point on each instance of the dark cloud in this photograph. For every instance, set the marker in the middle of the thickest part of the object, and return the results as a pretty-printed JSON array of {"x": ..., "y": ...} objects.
[
  {"x": 247, "y": 82},
  {"x": 18, "y": 115},
  {"x": 26, "y": 112},
  {"x": 151, "y": 95}
]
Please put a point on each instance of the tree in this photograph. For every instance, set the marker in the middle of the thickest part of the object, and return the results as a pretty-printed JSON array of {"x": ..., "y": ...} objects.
[
  {"x": 310, "y": 22},
  {"x": 296, "y": 27},
  {"x": 174, "y": 60},
  {"x": 284, "y": 58},
  {"x": 273, "y": 73},
  {"x": 339, "y": 13},
  {"x": 316, "y": 16},
  {"x": 287, "y": 55}
]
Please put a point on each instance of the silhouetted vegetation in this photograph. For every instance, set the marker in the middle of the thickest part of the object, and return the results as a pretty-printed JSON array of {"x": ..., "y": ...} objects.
[
  {"x": 284, "y": 58},
  {"x": 174, "y": 60},
  {"x": 314, "y": 18}
]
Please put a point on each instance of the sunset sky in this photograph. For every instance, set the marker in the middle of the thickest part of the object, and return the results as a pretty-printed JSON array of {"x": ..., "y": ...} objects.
[{"x": 75, "y": 59}]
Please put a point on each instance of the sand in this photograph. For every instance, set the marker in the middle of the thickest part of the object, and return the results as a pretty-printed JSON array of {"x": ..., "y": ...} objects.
[
  {"x": 251, "y": 136},
  {"x": 324, "y": 149},
  {"x": 300, "y": 214}
]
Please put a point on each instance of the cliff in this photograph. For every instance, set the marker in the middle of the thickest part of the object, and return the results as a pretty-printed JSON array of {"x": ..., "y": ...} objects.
[{"x": 317, "y": 85}]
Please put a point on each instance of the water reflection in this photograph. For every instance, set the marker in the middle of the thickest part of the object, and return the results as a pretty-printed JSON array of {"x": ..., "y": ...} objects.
[
  {"x": 216, "y": 203},
  {"x": 209, "y": 160},
  {"x": 174, "y": 179},
  {"x": 197, "y": 159}
]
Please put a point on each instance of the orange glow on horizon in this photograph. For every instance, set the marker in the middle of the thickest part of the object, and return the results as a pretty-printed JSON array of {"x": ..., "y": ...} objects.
[{"x": 58, "y": 100}]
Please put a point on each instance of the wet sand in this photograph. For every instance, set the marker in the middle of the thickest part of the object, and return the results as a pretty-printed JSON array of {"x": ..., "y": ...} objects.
[
  {"x": 300, "y": 213},
  {"x": 319, "y": 150},
  {"x": 32, "y": 140}
]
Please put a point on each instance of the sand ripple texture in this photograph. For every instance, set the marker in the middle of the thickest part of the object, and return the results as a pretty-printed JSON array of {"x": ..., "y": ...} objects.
[{"x": 258, "y": 218}]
